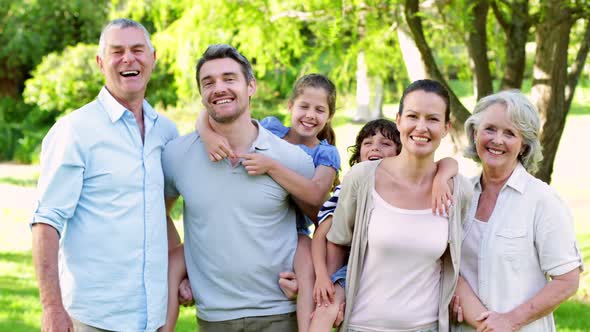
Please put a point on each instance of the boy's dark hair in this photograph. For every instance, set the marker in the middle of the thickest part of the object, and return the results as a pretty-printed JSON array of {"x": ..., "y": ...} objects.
[
  {"x": 428, "y": 86},
  {"x": 222, "y": 51},
  {"x": 318, "y": 81},
  {"x": 386, "y": 127}
]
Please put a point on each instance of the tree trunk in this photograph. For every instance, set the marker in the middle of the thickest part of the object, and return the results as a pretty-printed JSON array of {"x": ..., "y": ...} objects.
[
  {"x": 577, "y": 67},
  {"x": 363, "y": 91},
  {"x": 458, "y": 112},
  {"x": 412, "y": 57},
  {"x": 550, "y": 79},
  {"x": 516, "y": 27},
  {"x": 377, "y": 105},
  {"x": 477, "y": 46},
  {"x": 11, "y": 81}
]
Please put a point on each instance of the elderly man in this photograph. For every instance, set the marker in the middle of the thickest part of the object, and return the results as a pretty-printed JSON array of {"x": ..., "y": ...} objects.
[
  {"x": 239, "y": 229},
  {"x": 101, "y": 207}
]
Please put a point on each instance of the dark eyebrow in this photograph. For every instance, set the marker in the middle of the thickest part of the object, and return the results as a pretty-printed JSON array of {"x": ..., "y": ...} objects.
[{"x": 223, "y": 75}]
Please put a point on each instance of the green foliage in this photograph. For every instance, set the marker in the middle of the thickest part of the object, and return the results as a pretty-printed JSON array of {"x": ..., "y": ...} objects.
[
  {"x": 29, "y": 29},
  {"x": 66, "y": 80}
]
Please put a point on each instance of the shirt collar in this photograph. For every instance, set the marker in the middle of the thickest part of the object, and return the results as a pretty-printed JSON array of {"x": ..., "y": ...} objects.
[
  {"x": 115, "y": 110},
  {"x": 262, "y": 139},
  {"x": 516, "y": 181}
]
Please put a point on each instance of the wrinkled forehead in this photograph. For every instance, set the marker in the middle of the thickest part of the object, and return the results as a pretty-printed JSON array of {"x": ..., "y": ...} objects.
[{"x": 125, "y": 37}]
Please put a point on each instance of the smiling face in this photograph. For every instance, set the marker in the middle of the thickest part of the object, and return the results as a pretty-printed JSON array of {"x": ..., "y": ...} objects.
[
  {"x": 377, "y": 147},
  {"x": 497, "y": 140},
  {"x": 225, "y": 93},
  {"x": 127, "y": 63},
  {"x": 310, "y": 112},
  {"x": 422, "y": 122}
]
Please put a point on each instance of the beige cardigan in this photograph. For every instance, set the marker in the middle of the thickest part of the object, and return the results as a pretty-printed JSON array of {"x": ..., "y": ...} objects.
[{"x": 351, "y": 223}]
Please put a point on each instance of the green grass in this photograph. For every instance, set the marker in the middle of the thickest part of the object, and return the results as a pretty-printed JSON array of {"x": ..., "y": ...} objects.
[
  {"x": 29, "y": 182},
  {"x": 20, "y": 309}
]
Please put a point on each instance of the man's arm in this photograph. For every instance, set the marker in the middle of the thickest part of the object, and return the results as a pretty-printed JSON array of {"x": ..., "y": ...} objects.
[
  {"x": 173, "y": 237},
  {"x": 45, "y": 248}
]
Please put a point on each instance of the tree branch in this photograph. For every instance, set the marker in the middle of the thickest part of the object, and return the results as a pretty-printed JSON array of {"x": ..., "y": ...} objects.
[
  {"x": 577, "y": 66},
  {"x": 502, "y": 20},
  {"x": 458, "y": 111}
]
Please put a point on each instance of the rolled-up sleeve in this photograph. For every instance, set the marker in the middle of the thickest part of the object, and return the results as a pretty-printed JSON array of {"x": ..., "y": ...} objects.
[
  {"x": 345, "y": 214},
  {"x": 555, "y": 237},
  {"x": 61, "y": 177}
]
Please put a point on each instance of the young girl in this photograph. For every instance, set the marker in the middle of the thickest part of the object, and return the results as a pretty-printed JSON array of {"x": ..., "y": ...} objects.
[
  {"x": 376, "y": 140},
  {"x": 312, "y": 106}
]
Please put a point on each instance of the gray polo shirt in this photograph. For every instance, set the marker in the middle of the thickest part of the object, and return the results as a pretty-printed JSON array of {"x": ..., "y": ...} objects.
[{"x": 239, "y": 230}]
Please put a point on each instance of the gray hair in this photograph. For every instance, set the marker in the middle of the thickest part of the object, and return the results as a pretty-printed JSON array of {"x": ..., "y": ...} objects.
[
  {"x": 524, "y": 117},
  {"x": 122, "y": 23}
]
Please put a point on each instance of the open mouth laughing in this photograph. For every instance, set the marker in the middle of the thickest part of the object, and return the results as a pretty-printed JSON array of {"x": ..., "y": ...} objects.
[{"x": 129, "y": 73}]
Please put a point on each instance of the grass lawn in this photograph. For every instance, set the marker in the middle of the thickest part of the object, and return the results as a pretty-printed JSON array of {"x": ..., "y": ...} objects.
[{"x": 19, "y": 299}]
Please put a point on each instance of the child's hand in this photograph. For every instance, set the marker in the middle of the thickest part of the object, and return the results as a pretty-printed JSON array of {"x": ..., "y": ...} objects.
[
  {"x": 288, "y": 284},
  {"x": 217, "y": 146},
  {"x": 257, "y": 163},
  {"x": 185, "y": 293},
  {"x": 442, "y": 198},
  {"x": 323, "y": 291}
]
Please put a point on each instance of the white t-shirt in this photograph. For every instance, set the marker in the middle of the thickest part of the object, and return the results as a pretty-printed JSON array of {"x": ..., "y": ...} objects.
[
  {"x": 469, "y": 252},
  {"x": 399, "y": 287}
]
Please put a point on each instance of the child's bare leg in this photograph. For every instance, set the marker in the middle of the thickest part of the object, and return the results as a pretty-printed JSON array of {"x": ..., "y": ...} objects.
[
  {"x": 303, "y": 267},
  {"x": 325, "y": 316},
  {"x": 176, "y": 273}
]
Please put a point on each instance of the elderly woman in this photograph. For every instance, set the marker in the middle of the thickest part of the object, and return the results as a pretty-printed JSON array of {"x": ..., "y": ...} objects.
[{"x": 519, "y": 257}]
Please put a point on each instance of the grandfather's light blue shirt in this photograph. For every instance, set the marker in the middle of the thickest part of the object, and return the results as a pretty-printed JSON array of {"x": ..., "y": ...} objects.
[{"x": 102, "y": 189}]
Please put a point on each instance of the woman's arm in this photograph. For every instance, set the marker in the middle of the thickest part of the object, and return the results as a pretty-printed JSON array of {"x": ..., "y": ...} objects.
[
  {"x": 559, "y": 289},
  {"x": 469, "y": 305},
  {"x": 309, "y": 194}
]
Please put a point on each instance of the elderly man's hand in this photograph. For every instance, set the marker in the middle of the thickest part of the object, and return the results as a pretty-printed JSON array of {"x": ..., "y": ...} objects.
[
  {"x": 185, "y": 293},
  {"x": 56, "y": 319}
]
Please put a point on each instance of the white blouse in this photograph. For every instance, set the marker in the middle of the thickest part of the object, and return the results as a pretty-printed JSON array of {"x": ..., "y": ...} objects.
[{"x": 530, "y": 237}]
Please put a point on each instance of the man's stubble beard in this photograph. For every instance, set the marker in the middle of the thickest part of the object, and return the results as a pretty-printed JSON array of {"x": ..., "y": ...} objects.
[{"x": 224, "y": 119}]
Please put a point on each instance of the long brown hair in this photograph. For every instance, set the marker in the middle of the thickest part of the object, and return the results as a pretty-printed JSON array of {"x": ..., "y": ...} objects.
[{"x": 319, "y": 81}]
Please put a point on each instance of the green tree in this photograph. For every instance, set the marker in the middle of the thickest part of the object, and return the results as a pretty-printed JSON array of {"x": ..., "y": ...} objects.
[
  {"x": 555, "y": 78},
  {"x": 29, "y": 30}
]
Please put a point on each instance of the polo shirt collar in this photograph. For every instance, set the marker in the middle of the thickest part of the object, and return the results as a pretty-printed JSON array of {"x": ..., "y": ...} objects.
[{"x": 262, "y": 140}]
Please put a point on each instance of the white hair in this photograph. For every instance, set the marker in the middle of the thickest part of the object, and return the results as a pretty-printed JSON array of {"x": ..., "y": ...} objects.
[
  {"x": 524, "y": 117},
  {"x": 122, "y": 23}
]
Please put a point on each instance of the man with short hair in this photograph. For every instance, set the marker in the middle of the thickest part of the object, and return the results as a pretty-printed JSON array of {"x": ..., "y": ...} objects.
[
  {"x": 240, "y": 230},
  {"x": 100, "y": 207}
]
